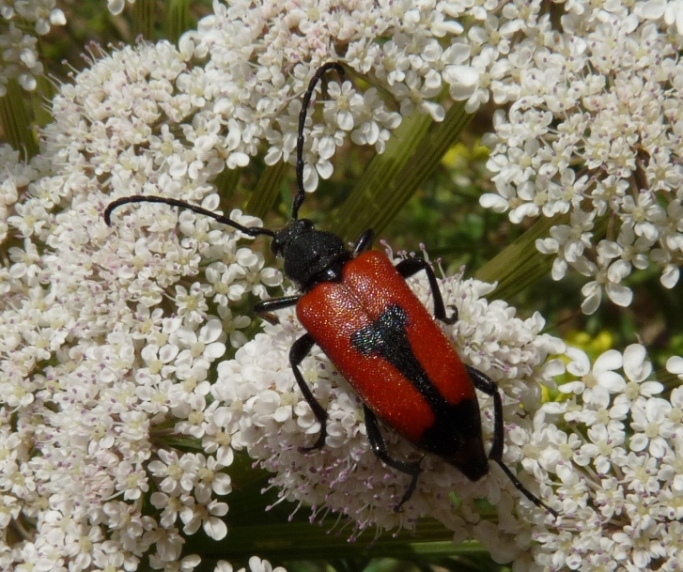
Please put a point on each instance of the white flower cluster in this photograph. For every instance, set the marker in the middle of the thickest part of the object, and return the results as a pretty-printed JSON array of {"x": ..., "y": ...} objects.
[
  {"x": 593, "y": 129},
  {"x": 108, "y": 335},
  {"x": 19, "y": 57},
  {"x": 260, "y": 57},
  {"x": 256, "y": 62},
  {"x": 614, "y": 449},
  {"x": 255, "y": 565},
  {"x": 271, "y": 419}
]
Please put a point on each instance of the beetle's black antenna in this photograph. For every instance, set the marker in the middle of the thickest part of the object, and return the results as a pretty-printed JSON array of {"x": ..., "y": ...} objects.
[
  {"x": 300, "y": 193},
  {"x": 248, "y": 230}
]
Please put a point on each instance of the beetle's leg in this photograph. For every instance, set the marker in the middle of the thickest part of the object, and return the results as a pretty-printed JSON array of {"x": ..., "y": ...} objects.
[
  {"x": 410, "y": 266},
  {"x": 298, "y": 352},
  {"x": 364, "y": 242},
  {"x": 379, "y": 448},
  {"x": 300, "y": 349},
  {"x": 276, "y": 304},
  {"x": 485, "y": 384}
]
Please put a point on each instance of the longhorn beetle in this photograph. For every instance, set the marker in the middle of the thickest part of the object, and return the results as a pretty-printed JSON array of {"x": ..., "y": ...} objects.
[{"x": 356, "y": 305}]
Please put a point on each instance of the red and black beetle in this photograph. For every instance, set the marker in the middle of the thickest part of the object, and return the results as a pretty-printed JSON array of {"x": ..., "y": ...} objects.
[{"x": 356, "y": 305}]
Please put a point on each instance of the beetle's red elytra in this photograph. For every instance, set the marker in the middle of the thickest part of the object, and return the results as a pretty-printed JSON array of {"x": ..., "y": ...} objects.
[
  {"x": 352, "y": 319},
  {"x": 355, "y": 304}
]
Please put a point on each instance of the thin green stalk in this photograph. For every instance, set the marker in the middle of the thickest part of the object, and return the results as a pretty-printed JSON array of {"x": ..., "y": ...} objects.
[
  {"x": 267, "y": 191},
  {"x": 227, "y": 182},
  {"x": 178, "y": 19},
  {"x": 15, "y": 120},
  {"x": 520, "y": 264},
  {"x": 411, "y": 155},
  {"x": 39, "y": 98},
  {"x": 143, "y": 19}
]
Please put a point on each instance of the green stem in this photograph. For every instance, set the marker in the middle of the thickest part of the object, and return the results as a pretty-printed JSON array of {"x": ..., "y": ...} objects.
[
  {"x": 143, "y": 19},
  {"x": 15, "y": 120},
  {"x": 520, "y": 264},
  {"x": 267, "y": 190},
  {"x": 411, "y": 155},
  {"x": 178, "y": 19}
]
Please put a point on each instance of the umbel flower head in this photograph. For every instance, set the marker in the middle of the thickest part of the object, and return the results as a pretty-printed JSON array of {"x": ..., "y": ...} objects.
[
  {"x": 613, "y": 448},
  {"x": 593, "y": 131},
  {"x": 107, "y": 337},
  {"x": 110, "y": 338}
]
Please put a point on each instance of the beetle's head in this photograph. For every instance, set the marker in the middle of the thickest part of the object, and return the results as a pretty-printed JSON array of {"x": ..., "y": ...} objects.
[{"x": 308, "y": 255}]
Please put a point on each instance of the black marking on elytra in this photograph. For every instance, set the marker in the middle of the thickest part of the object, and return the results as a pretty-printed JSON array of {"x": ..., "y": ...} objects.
[
  {"x": 455, "y": 425},
  {"x": 387, "y": 337}
]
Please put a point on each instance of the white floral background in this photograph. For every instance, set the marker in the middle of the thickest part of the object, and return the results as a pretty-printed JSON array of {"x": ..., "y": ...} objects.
[{"x": 114, "y": 341}]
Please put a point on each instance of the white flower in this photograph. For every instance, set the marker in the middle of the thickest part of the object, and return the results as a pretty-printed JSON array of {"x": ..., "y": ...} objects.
[
  {"x": 616, "y": 505},
  {"x": 650, "y": 420},
  {"x": 596, "y": 386},
  {"x": 206, "y": 516},
  {"x": 567, "y": 107}
]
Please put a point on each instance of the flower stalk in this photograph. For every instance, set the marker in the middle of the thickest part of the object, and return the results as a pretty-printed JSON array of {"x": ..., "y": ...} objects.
[
  {"x": 14, "y": 118},
  {"x": 390, "y": 179}
]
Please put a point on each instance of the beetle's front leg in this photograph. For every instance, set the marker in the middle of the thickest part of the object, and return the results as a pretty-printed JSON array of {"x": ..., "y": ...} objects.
[
  {"x": 410, "y": 266},
  {"x": 300, "y": 349},
  {"x": 298, "y": 352},
  {"x": 379, "y": 448}
]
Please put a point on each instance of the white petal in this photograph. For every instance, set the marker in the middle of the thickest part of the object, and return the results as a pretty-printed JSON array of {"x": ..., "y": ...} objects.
[
  {"x": 435, "y": 110},
  {"x": 608, "y": 361},
  {"x": 57, "y": 17},
  {"x": 638, "y": 442},
  {"x": 675, "y": 365},
  {"x": 670, "y": 276},
  {"x": 345, "y": 120},
  {"x": 592, "y": 301},
  {"x": 580, "y": 364},
  {"x": 612, "y": 381},
  {"x": 215, "y": 528},
  {"x": 620, "y": 295},
  {"x": 494, "y": 202},
  {"x": 237, "y": 160},
  {"x": 463, "y": 81},
  {"x": 651, "y": 10},
  {"x": 546, "y": 245}
]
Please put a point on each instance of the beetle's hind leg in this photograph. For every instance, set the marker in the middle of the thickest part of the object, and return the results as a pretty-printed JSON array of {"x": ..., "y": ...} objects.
[
  {"x": 485, "y": 384},
  {"x": 379, "y": 448}
]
